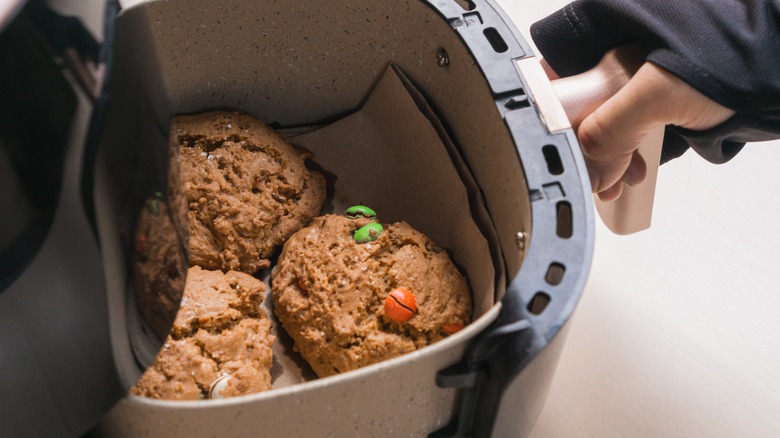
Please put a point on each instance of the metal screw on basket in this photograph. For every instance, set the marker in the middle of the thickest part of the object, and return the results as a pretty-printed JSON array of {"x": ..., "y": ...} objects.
[{"x": 442, "y": 59}]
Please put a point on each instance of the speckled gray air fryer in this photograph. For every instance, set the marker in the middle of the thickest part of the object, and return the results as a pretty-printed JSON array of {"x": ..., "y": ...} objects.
[{"x": 296, "y": 63}]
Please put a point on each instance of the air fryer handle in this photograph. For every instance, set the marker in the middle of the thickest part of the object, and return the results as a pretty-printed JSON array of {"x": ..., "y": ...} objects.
[{"x": 582, "y": 94}]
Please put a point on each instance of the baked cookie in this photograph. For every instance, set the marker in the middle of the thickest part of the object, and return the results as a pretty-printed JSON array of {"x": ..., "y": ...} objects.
[
  {"x": 351, "y": 292},
  {"x": 220, "y": 343},
  {"x": 245, "y": 188},
  {"x": 159, "y": 266}
]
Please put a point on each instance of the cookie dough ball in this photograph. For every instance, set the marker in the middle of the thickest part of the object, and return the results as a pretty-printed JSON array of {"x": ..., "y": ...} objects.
[
  {"x": 220, "y": 334},
  {"x": 159, "y": 266},
  {"x": 246, "y": 189},
  {"x": 330, "y": 292}
]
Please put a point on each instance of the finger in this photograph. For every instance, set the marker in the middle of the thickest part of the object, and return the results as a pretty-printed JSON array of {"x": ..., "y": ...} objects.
[
  {"x": 635, "y": 175},
  {"x": 611, "y": 193},
  {"x": 637, "y": 170}
]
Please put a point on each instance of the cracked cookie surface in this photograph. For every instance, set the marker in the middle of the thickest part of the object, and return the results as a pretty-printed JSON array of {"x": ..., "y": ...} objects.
[
  {"x": 241, "y": 188},
  {"x": 220, "y": 329},
  {"x": 329, "y": 293}
]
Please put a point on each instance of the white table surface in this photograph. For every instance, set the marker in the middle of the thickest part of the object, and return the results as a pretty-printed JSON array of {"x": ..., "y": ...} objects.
[{"x": 678, "y": 330}]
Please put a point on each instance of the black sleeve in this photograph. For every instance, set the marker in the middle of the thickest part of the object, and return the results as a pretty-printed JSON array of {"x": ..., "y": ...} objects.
[{"x": 729, "y": 50}]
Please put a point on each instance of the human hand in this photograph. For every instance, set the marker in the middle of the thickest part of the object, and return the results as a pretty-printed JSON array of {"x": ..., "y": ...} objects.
[
  {"x": 693, "y": 49},
  {"x": 609, "y": 137}
]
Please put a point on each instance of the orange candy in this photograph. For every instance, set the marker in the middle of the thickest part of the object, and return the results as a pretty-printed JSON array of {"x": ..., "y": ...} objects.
[
  {"x": 451, "y": 329},
  {"x": 400, "y": 305}
]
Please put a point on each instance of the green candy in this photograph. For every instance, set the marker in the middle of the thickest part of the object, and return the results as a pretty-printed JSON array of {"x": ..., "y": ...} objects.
[
  {"x": 356, "y": 211},
  {"x": 368, "y": 233},
  {"x": 155, "y": 206}
]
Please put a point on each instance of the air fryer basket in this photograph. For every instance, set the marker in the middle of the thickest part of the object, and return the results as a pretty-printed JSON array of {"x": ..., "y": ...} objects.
[{"x": 298, "y": 63}]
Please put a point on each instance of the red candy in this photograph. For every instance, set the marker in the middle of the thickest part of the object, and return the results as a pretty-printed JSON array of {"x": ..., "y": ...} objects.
[
  {"x": 140, "y": 243},
  {"x": 453, "y": 328},
  {"x": 400, "y": 305}
]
